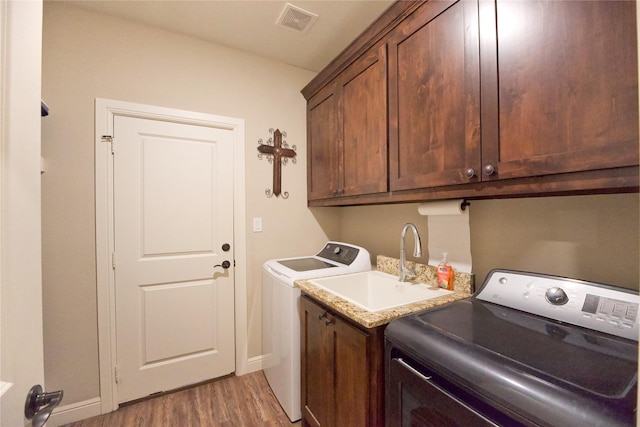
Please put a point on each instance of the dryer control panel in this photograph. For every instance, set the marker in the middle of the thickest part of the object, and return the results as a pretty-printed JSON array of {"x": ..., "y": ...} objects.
[{"x": 591, "y": 305}]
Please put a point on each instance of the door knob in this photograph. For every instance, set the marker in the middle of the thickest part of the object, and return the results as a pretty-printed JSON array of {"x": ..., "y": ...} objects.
[
  {"x": 39, "y": 405},
  {"x": 225, "y": 265}
]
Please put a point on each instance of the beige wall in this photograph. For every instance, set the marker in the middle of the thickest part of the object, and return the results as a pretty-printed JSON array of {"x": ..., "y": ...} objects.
[
  {"x": 377, "y": 228},
  {"x": 591, "y": 238},
  {"x": 88, "y": 56}
]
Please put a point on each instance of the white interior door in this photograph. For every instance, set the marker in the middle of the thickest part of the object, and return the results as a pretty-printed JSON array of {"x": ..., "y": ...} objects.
[
  {"x": 21, "y": 353},
  {"x": 173, "y": 215}
]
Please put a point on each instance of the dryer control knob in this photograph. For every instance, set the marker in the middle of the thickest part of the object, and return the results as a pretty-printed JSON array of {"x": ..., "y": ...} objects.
[{"x": 556, "y": 296}]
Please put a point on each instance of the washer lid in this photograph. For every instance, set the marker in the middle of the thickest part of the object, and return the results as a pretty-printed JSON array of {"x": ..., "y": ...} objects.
[{"x": 305, "y": 264}]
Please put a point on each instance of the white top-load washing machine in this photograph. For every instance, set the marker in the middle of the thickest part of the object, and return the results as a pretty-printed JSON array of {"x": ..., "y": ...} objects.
[{"x": 280, "y": 313}]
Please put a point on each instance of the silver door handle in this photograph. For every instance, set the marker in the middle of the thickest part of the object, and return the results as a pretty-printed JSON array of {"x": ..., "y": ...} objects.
[{"x": 39, "y": 405}]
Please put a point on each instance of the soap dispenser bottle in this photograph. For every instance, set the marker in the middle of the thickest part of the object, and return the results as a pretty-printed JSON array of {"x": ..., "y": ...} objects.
[{"x": 445, "y": 274}]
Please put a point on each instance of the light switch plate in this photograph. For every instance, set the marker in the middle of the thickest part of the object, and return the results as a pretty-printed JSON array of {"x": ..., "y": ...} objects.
[{"x": 257, "y": 225}]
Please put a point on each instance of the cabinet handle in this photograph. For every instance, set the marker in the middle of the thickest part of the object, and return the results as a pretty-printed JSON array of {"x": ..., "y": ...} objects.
[
  {"x": 329, "y": 321},
  {"x": 488, "y": 170},
  {"x": 470, "y": 173},
  {"x": 322, "y": 316}
]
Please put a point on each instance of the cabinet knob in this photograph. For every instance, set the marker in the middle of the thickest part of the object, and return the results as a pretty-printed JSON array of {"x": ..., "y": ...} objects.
[
  {"x": 322, "y": 316},
  {"x": 470, "y": 173},
  {"x": 488, "y": 170},
  {"x": 328, "y": 321}
]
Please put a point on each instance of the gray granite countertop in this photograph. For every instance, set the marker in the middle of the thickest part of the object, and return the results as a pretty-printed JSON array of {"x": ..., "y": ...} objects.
[{"x": 463, "y": 285}]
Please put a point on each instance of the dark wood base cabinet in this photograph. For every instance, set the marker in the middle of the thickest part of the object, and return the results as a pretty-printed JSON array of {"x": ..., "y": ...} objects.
[{"x": 342, "y": 369}]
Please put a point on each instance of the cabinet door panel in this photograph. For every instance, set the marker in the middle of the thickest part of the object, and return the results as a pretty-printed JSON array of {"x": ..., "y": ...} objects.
[
  {"x": 364, "y": 95},
  {"x": 316, "y": 363},
  {"x": 322, "y": 144},
  {"x": 434, "y": 96},
  {"x": 347, "y": 131},
  {"x": 352, "y": 373},
  {"x": 567, "y": 83}
]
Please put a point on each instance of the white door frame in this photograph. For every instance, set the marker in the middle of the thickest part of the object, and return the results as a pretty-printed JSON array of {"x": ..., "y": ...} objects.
[{"x": 105, "y": 110}]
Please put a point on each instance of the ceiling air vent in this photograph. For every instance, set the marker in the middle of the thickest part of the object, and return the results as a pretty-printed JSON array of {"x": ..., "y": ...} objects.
[{"x": 295, "y": 18}]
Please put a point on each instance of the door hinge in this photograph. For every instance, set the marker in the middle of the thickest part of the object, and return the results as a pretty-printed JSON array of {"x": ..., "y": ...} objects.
[
  {"x": 113, "y": 260},
  {"x": 116, "y": 374},
  {"x": 109, "y": 139}
]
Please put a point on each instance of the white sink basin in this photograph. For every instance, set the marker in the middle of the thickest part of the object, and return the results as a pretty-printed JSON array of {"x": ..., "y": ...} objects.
[{"x": 376, "y": 291}]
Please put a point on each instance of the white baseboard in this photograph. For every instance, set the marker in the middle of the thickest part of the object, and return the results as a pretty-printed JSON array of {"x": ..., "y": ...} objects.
[
  {"x": 74, "y": 412},
  {"x": 253, "y": 364}
]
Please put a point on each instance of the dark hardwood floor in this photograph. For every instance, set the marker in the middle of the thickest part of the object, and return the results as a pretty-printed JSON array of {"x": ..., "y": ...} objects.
[{"x": 231, "y": 401}]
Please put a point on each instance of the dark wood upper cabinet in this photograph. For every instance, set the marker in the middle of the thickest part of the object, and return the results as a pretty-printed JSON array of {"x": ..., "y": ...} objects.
[
  {"x": 566, "y": 78},
  {"x": 347, "y": 131},
  {"x": 434, "y": 97},
  {"x": 486, "y": 98},
  {"x": 323, "y": 136}
]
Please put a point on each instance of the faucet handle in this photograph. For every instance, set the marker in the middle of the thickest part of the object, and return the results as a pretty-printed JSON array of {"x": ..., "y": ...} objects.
[{"x": 406, "y": 273}]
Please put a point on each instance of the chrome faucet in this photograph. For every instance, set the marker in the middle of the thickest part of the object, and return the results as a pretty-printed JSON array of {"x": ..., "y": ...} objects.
[{"x": 406, "y": 273}]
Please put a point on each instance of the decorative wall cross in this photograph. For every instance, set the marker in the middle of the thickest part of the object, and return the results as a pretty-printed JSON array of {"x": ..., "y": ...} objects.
[{"x": 278, "y": 153}]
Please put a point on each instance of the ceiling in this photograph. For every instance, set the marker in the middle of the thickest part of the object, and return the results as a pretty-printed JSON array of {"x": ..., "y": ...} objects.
[{"x": 250, "y": 25}]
